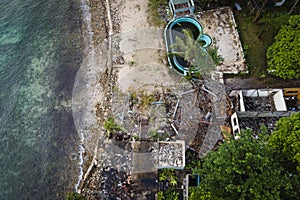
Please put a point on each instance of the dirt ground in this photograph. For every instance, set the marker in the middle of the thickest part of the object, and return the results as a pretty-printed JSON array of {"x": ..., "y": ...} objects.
[{"x": 143, "y": 49}]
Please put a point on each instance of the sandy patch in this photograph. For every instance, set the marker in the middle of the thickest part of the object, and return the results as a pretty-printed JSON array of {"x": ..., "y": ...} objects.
[
  {"x": 146, "y": 77},
  {"x": 143, "y": 50},
  {"x": 133, "y": 15}
]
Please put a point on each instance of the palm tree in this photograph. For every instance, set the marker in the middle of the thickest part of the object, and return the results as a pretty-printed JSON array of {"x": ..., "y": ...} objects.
[{"x": 194, "y": 54}]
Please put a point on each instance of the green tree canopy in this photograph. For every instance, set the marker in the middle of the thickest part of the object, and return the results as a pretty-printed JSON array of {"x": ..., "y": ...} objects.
[
  {"x": 283, "y": 55},
  {"x": 285, "y": 141},
  {"x": 243, "y": 169},
  {"x": 285, "y": 144}
]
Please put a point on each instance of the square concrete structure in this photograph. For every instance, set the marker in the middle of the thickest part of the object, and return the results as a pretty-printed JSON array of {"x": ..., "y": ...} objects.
[
  {"x": 220, "y": 25},
  {"x": 149, "y": 156},
  {"x": 171, "y": 154},
  {"x": 260, "y": 100},
  {"x": 262, "y": 106}
]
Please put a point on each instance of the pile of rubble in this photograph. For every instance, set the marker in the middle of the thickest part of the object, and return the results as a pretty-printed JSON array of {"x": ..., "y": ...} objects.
[
  {"x": 165, "y": 115},
  {"x": 259, "y": 103},
  {"x": 171, "y": 155},
  {"x": 257, "y": 123}
]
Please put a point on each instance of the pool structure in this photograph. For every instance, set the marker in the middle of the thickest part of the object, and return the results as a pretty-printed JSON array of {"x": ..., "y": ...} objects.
[
  {"x": 175, "y": 29},
  {"x": 183, "y": 21}
]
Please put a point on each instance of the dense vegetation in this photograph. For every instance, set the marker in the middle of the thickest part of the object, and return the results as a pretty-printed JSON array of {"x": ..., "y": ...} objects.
[
  {"x": 283, "y": 54},
  {"x": 286, "y": 142},
  {"x": 264, "y": 167},
  {"x": 243, "y": 169},
  {"x": 257, "y": 37},
  {"x": 256, "y": 166}
]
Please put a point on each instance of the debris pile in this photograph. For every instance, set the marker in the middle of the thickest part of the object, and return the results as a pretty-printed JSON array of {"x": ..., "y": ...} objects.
[
  {"x": 171, "y": 155},
  {"x": 259, "y": 103},
  {"x": 257, "y": 123}
]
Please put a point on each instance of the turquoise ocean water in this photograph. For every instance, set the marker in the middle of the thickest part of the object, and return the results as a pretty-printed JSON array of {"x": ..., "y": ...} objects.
[{"x": 40, "y": 53}]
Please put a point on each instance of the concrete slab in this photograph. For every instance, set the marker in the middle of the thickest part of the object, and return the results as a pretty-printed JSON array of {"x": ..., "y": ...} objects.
[{"x": 221, "y": 27}]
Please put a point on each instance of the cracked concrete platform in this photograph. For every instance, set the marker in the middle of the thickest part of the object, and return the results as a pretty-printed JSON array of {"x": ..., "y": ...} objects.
[{"x": 221, "y": 27}]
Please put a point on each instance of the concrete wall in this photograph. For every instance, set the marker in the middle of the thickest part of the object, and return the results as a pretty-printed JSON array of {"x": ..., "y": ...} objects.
[
  {"x": 259, "y": 92},
  {"x": 235, "y": 124},
  {"x": 264, "y": 114},
  {"x": 278, "y": 98},
  {"x": 279, "y": 101},
  {"x": 242, "y": 104}
]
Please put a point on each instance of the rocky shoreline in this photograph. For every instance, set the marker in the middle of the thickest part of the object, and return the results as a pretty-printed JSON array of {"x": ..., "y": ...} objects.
[{"x": 90, "y": 185}]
